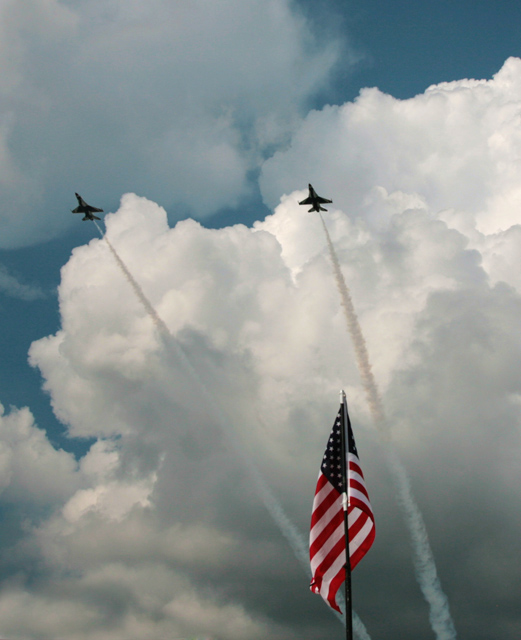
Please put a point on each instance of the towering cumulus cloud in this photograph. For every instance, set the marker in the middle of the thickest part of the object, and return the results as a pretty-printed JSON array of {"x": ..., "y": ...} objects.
[
  {"x": 466, "y": 185},
  {"x": 439, "y": 613},
  {"x": 158, "y": 530}
]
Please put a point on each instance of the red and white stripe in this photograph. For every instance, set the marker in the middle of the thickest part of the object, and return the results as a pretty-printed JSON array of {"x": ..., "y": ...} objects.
[{"x": 327, "y": 545}]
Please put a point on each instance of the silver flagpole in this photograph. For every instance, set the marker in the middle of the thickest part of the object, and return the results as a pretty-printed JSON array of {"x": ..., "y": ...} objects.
[{"x": 345, "y": 504}]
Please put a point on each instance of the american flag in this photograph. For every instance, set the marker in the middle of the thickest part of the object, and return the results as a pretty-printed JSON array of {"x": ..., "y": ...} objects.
[{"x": 327, "y": 546}]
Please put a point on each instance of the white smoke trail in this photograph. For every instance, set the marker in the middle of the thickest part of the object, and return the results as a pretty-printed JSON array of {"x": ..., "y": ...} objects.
[
  {"x": 359, "y": 628},
  {"x": 275, "y": 509},
  {"x": 161, "y": 326},
  {"x": 295, "y": 539},
  {"x": 424, "y": 565},
  {"x": 439, "y": 613}
]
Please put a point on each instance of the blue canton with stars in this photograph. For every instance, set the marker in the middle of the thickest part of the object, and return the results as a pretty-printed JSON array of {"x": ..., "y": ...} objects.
[{"x": 332, "y": 461}]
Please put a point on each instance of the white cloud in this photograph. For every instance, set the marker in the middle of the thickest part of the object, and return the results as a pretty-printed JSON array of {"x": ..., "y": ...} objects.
[
  {"x": 114, "y": 500},
  {"x": 258, "y": 315},
  {"x": 176, "y": 101},
  {"x": 26, "y": 456},
  {"x": 11, "y": 286},
  {"x": 457, "y": 145},
  {"x": 159, "y": 529}
]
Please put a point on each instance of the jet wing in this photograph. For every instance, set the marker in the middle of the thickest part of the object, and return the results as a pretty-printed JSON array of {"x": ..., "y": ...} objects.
[
  {"x": 307, "y": 201},
  {"x": 77, "y": 210},
  {"x": 322, "y": 200},
  {"x": 101, "y": 210}
]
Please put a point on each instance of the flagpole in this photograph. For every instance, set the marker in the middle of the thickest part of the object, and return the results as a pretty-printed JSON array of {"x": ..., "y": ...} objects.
[{"x": 345, "y": 504}]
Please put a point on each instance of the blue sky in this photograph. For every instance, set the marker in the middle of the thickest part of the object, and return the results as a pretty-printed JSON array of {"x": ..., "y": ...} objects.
[
  {"x": 401, "y": 48},
  {"x": 223, "y": 115},
  {"x": 410, "y": 45}
]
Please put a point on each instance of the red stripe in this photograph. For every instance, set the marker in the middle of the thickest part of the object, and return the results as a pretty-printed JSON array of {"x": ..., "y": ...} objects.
[
  {"x": 320, "y": 509},
  {"x": 363, "y": 548},
  {"x": 330, "y": 558},
  {"x": 327, "y": 528},
  {"x": 355, "y": 484},
  {"x": 355, "y": 466},
  {"x": 334, "y": 586},
  {"x": 355, "y": 502},
  {"x": 321, "y": 482},
  {"x": 334, "y": 523},
  {"x": 357, "y": 526}
]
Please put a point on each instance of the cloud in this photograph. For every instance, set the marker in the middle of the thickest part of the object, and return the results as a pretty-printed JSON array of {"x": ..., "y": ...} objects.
[
  {"x": 456, "y": 145},
  {"x": 159, "y": 530},
  {"x": 109, "y": 602},
  {"x": 178, "y": 103},
  {"x": 12, "y": 287},
  {"x": 26, "y": 456}
]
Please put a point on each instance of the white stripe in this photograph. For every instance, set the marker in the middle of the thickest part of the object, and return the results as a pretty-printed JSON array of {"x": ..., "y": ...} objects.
[
  {"x": 332, "y": 572},
  {"x": 353, "y": 475},
  {"x": 322, "y": 494},
  {"x": 325, "y": 520},
  {"x": 353, "y": 516},
  {"x": 319, "y": 556},
  {"x": 360, "y": 536},
  {"x": 352, "y": 458},
  {"x": 355, "y": 493}
]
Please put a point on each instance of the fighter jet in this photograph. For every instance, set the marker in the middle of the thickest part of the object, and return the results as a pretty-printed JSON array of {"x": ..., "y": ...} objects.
[
  {"x": 315, "y": 200},
  {"x": 86, "y": 209}
]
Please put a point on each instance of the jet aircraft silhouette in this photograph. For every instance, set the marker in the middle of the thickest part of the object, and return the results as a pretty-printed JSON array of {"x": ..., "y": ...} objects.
[
  {"x": 315, "y": 200},
  {"x": 86, "y": 209}
]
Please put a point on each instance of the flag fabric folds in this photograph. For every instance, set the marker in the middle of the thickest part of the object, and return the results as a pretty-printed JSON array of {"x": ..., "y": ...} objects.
[{"x": 327, "y": 542}]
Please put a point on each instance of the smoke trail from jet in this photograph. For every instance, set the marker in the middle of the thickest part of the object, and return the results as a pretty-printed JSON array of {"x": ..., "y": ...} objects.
[
  {"x": 274, "y": 508},
  {"x": 161, "y": 326},
  {"x": 424, "y": 564},
  {"x": 362, "y": 357},
  {"x": 425, "y": 567},
  {"x": 295, "y": 539}
]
